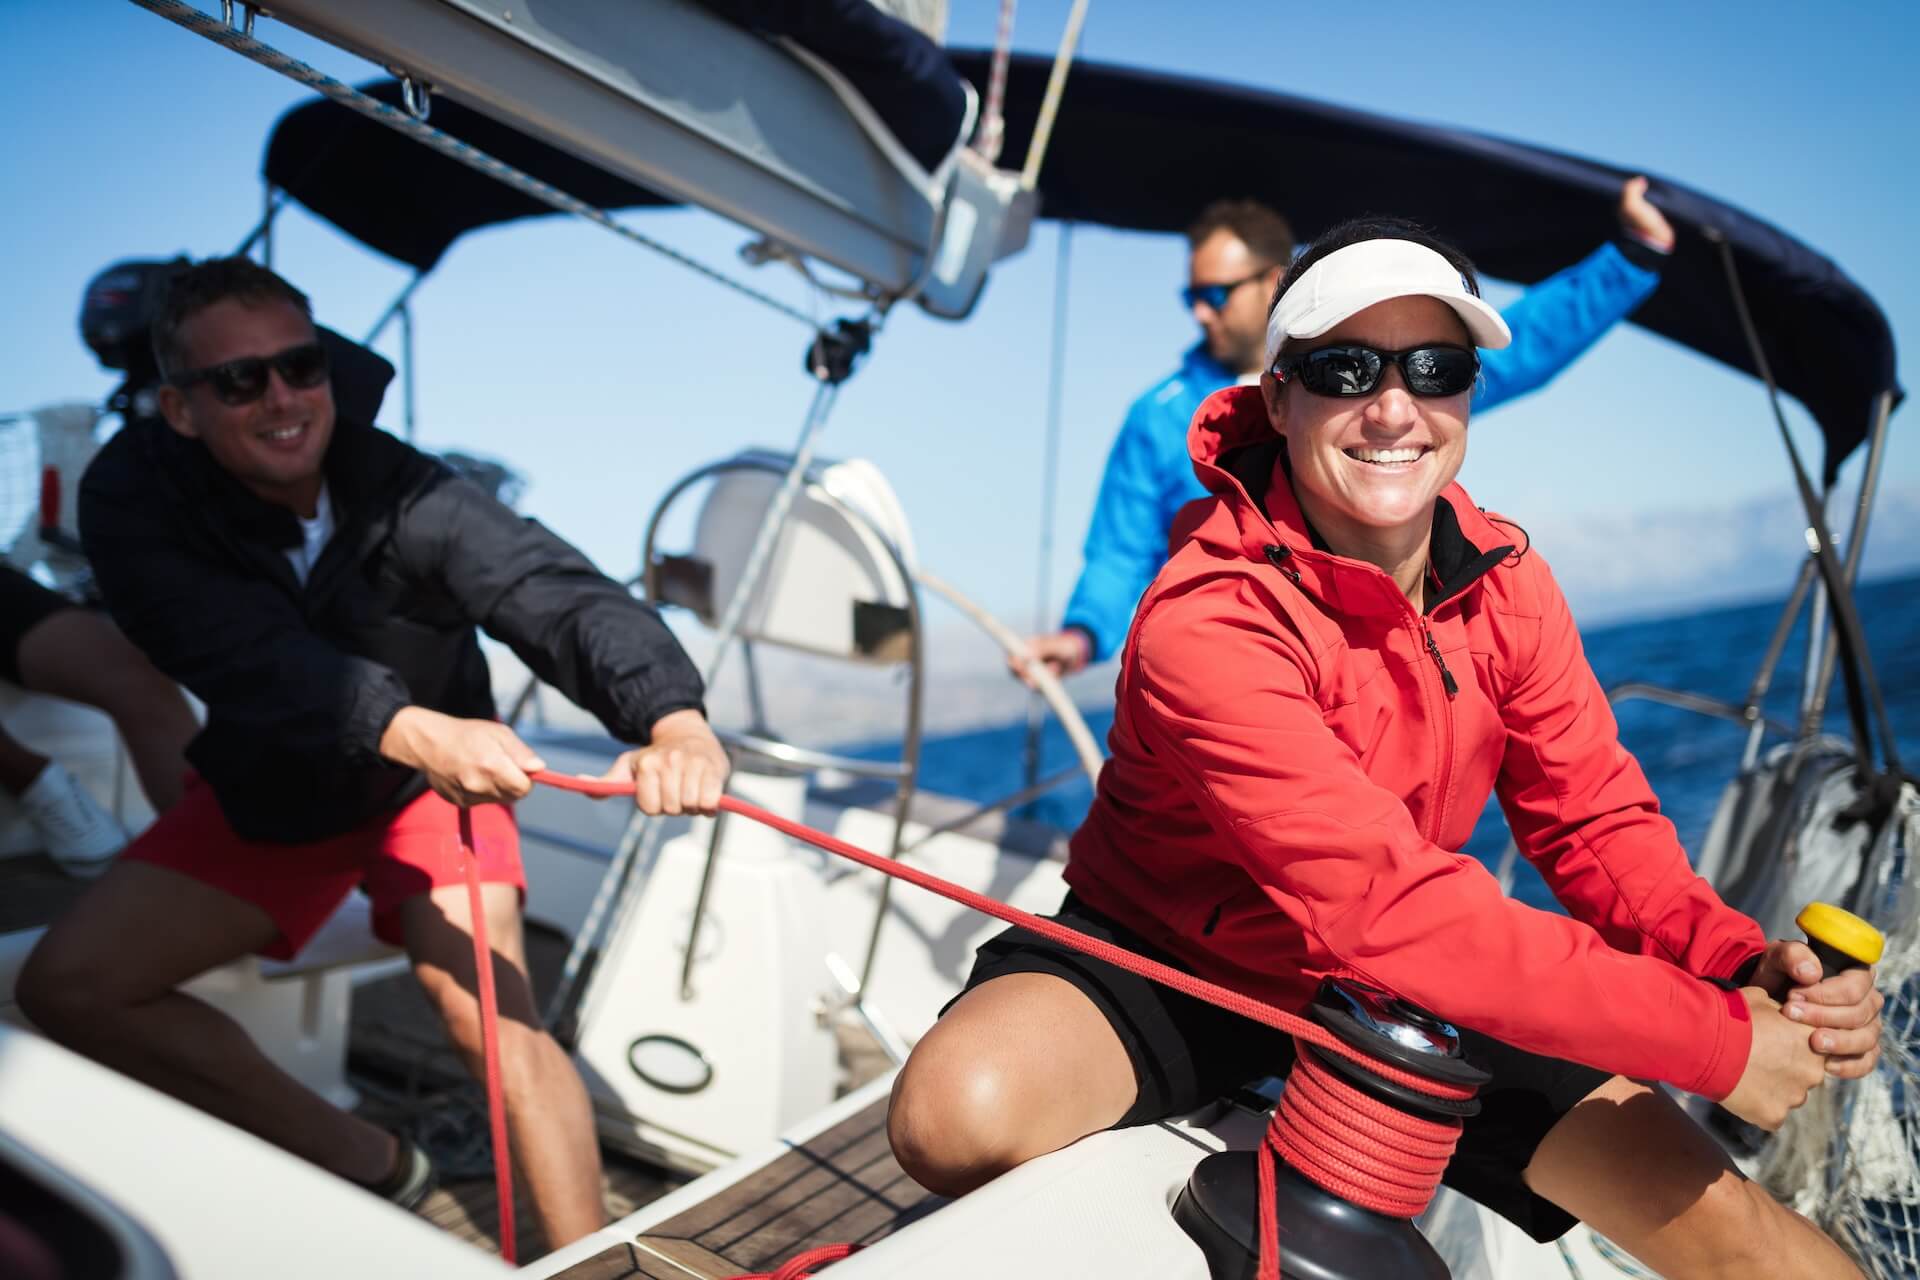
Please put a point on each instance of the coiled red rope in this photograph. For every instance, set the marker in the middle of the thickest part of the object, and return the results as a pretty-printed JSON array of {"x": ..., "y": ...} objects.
[{"x": 1353, "y": 1145}]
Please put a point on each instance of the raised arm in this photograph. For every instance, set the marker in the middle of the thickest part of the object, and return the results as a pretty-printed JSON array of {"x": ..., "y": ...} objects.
[{"x": 1557, "y": 320}]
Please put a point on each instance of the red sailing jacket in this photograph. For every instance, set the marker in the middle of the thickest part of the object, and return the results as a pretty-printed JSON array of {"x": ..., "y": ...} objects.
[{"x": 1297, "y": 757}]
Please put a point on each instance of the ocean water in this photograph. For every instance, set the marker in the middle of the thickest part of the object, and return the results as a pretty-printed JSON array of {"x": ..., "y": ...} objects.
[{"x": 1687, "y": 757}]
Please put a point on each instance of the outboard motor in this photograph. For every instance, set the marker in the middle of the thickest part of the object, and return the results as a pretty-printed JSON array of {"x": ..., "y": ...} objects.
[
  {"x": 116, "y": 322},
  {"x": 1322, "y": 1235}
]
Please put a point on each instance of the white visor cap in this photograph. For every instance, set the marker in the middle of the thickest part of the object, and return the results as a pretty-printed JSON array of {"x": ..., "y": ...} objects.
[{"x": 1348, "y": 281}]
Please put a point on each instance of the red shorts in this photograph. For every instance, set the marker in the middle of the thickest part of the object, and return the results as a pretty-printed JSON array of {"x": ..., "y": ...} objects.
[{"x": 393, "y": 857}]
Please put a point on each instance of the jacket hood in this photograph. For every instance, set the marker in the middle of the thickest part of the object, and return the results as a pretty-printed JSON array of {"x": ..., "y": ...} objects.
[{"x": 1253, "y": 515}]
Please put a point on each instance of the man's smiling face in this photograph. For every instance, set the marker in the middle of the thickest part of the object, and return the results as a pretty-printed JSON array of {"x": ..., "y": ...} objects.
[{"x": 275, "y": 445}]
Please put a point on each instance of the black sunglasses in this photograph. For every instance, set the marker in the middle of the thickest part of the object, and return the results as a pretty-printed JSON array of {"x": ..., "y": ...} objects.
[
  {"x": 242, "y": 381},
  {"x": 1352, "y": 370},
  {"x": 1216, "y": 295}
]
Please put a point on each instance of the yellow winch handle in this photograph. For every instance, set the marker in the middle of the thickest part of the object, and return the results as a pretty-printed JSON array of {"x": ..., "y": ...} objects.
[{"x": 1841, "y": 939}]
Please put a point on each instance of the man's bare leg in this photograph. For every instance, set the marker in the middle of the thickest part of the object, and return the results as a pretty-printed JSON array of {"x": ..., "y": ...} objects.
[
  {"x": 549, "y": 1119},
  {"x": 1021, "y": 1065},
  {"x": 1628, "y": 1162},
  {"x": 102, "y": 983},
  {"x": 82, "y": 656}
]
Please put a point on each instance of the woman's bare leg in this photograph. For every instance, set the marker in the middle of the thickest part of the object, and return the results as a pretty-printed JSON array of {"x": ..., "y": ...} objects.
[
  {"x": 1021, "y": 1065},
  {"x": 1628, "y": 1162}
]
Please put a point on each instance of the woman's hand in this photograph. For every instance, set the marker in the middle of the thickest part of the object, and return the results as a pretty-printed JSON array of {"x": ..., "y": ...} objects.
[
  {"x": 682, "y": 769},
  {"x": 1782, "y": 1068},
  {"x": 466, "y": 762},
  {"x": 1843, "y": 1011}
]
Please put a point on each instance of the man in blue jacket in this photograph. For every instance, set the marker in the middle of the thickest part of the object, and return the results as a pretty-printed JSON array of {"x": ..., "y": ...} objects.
[{"x": 1239, "y": 249}]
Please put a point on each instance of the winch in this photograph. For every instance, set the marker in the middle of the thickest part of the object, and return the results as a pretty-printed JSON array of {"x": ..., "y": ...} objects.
[{"x": 1355, "y": 1156}]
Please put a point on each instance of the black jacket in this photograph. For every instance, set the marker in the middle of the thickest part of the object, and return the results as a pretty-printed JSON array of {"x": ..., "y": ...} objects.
[{"x": 301, "y": 682}]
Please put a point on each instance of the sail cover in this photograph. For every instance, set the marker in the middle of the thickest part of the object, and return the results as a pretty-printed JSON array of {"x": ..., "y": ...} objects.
[{"x": 1139, "y": 150}]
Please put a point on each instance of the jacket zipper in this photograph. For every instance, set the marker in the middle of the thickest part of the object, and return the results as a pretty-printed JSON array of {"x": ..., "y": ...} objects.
[
  {"x": 1445, "y": 780},
  {"x": 1446, "y": 677}
]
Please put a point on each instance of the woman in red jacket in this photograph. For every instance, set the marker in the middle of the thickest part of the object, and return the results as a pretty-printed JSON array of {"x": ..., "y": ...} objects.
[{"x": 1342, "y": 660}]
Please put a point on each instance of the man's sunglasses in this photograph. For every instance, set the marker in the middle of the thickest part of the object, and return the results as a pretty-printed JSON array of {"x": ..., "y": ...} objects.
[
  {"x": 1216, "y": 295},
  {"x": 243, "y": 381},
  {"x": 1351, "y": 370}
]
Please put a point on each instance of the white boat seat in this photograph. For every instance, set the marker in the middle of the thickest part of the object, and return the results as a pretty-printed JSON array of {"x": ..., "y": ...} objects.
[{"x": 669, "y": 95}]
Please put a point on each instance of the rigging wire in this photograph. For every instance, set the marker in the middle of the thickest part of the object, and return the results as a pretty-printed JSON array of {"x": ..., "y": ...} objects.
[
  {"x": 993, "y": 123},
  {"x": 453, "y": 148},
  {"x": 1049, "y": 488},
  {"x": 1050, "y": 104},
  {"x": 1862, "y": 685}
]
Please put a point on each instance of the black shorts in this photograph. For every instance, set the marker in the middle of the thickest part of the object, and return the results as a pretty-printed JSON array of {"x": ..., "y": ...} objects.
[
  {"x": 1187, "y": 1053},
  {"x": 24, "y": 605}
]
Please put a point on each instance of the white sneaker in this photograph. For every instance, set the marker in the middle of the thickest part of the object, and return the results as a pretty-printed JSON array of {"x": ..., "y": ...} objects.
[{"x": 82, "y": 838}]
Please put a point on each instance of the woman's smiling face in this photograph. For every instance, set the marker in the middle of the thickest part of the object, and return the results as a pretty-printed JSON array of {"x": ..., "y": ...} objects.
[{"x": 1374, "y": 464}]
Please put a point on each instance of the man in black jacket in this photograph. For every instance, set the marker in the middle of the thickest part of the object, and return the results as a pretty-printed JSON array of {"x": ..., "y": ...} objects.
[{"x": 317, "y": 584}]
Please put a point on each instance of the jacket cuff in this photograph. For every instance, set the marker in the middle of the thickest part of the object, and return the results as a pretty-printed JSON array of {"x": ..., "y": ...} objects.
[
  {"x": 369, "y": 722},
  {"x": 669, "y": 707},
  {"x": 1086, "y": 634},
  {"x": 1642, "y": 253},
  {"x": 1742, "y": 974},
  {"x": 1732, "y": 1044},
  {"x": 1095, "y": 651}
]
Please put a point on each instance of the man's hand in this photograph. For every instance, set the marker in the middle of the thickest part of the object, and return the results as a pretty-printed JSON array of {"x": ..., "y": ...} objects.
[
  {"x": 1843, "y": 1011},
  {"x": 1639, "y": 219},
  {"x": 1782, "y": 1069},
  {"x": 1064, "y": 651},
  {"x": 467, "y": 762},
  {"x": 681, "y": 770}
]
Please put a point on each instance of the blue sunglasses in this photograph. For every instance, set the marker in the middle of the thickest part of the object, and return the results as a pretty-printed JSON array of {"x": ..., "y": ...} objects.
[{"x": 1216, "y": 295}]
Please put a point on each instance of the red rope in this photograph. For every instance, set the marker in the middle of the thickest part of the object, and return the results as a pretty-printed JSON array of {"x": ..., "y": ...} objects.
[
  {"x": 1368, "y": 1152},
  {"x": 489, "y": 1037},
  {"x": 801, "y": 1266}
]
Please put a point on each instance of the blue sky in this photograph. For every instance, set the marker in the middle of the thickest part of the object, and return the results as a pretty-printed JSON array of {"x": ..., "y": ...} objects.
[{"x": 604, "y": 373}]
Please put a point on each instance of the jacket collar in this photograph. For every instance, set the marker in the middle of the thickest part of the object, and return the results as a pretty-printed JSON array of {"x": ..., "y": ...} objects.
[
  {"x": 1237, "y": 456},
  {"x": 361, "y": 463}
]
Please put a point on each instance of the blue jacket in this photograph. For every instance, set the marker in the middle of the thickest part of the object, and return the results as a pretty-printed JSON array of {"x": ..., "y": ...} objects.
[{"x": 1149, "y": 476}]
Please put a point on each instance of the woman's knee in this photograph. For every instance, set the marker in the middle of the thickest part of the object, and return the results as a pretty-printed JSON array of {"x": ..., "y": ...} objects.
[
  {"x": 1741, "y": 1230},
  {"x": 946, "y": 1123},
  {"x": 958, "y": 1119}
]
